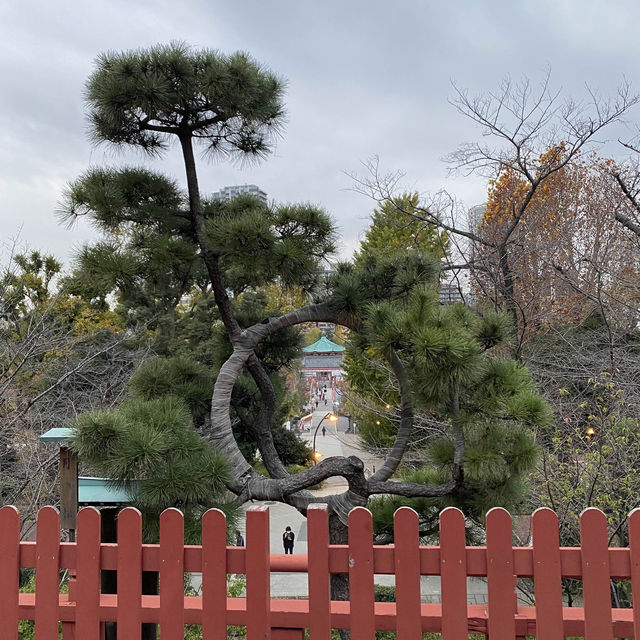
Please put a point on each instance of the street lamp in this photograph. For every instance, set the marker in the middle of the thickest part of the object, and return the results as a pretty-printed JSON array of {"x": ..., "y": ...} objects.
[{"x": 316, "y": 454}]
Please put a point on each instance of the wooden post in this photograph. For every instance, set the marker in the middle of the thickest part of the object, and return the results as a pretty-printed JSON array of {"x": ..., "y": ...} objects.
[
  {"x": 171, "y": 574},
  {"x": 47, "y": 573},
  {"x": 214, "y": 575},
  {"x": 129, "y": 574},
  {"x": 547, "y": 574},
  {"x": 406, "y": 557},
  {"x": 595, "y": 575},
  {"x": 68, "y": 518},
  {"x": 68, "y": 491},
  {"x": 9, "y": 571},
  {"x": 634, "y": 548},
  {"x": 318, "y": 572},
  {"x": 453, "y": 572},
  {"x": 361, "y": 575},
  {"x": 109, "y": 578},
  {"x": 500, "y": 591},
  {"x": 258, "y": 574},
  {"x": 87, "y": 595}
]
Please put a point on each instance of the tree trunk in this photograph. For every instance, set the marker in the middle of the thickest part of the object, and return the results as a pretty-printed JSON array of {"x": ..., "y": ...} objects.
[
  {"x": 509, "y": 300},
  {"x": 262, "y": 426},
  {"x": 507, "y": 284}
]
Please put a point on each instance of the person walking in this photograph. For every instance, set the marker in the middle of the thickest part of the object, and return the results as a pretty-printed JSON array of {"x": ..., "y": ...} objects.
[
  {"x": 239, "y": 539},
  {"x": 324, "y": 432},
  {"x": 288, "y": 538}
]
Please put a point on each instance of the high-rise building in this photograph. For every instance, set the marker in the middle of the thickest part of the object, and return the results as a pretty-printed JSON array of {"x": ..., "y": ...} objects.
[
  {"x": 456, "y": 286},
  {"x": 450, "y": 293},
  {"x": 475, "y": 215},
  {"x": 227, "y": 193}
]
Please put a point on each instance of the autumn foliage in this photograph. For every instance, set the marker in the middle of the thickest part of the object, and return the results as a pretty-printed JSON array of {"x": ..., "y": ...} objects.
[{"x": 569, "y": 256}]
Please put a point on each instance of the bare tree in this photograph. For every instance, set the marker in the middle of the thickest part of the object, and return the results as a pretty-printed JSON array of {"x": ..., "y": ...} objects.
[
  {"x": 528, "y": 131},
  {"x": 49, "y": 373}
]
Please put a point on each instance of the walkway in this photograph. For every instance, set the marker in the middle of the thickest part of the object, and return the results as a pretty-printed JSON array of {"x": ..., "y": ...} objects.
[{"x": 337, "y": 443}]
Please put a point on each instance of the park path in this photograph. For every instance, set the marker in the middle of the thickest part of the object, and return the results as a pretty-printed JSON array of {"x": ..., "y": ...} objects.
[{"x": 336, "y": 443}]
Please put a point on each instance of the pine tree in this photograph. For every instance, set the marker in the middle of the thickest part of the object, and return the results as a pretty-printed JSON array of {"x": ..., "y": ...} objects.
[
  {"x": 149, "y": 446},
  {"x": 441, "y": 359}
]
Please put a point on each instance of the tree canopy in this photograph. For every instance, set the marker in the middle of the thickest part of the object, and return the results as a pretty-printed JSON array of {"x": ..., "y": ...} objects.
[
  {"x": 60, "y": 355},
  {"x": 449, "y": 361}
]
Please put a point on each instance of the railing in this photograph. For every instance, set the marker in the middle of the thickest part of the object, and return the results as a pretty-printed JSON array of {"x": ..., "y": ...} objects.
[{"x": 84, "y": 608}]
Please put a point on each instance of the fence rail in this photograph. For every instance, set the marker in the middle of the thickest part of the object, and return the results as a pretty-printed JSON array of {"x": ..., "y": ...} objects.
[{"x": 83, "y": 610}]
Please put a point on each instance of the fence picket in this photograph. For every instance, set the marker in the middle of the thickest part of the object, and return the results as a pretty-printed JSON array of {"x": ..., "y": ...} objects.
[
  {"x": 258, "y": 573},
  {"x": 129, "y": 574},
  {"x": 361, "y": 619},
  {"x": 171, "y": 575},
  {"x": 500, "y": 575},
  {"x": 545, "y": 561},
  {"x": 214, "y": 575},
  {"x": 406, "y": 556},
  {"x": 318, "y": 572},
  {"x": 47, "y": 573},
  {"x": 595, "y": 575},
  {"x": 547, "y": 574},
  {"x": 634, "y": 547},
  {"x": 453, "y": 575},
  {"x": 9, "y": 571},
  {"x": 88, "y": 575}
]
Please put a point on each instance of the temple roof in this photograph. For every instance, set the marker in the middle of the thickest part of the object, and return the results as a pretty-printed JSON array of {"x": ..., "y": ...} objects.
[
  {"x": 324, "y": 345},
  {"x": 102, "y": 491}
]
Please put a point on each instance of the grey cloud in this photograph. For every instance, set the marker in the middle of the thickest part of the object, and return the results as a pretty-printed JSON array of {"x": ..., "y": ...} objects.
[{"x": 365, "y": 77}]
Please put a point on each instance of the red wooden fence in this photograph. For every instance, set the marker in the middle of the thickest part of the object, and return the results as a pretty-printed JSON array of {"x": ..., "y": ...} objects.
[{"x": 84, "y": 608}]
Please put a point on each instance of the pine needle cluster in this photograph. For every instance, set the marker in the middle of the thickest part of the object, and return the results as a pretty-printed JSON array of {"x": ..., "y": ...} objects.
[
  {"x": 462, "y": 379},
  {"x": 149, "y": 447},
  {"x": 141, "y": 97}
]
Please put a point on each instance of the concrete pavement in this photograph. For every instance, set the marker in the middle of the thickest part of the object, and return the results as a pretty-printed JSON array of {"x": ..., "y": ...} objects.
[{"x": 336, "y": 443}]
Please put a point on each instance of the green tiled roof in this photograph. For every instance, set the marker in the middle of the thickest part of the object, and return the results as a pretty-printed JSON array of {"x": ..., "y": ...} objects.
[
  {"x": 101, "y": 491},
  {"x": 324, "y": 345},
  {"x": 58, "y": 434}
]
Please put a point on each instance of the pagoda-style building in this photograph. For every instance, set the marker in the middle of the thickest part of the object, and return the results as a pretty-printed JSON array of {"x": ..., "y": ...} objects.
[{"x": 322, "y": 360}]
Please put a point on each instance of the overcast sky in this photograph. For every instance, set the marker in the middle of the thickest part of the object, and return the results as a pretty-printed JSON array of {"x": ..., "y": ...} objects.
[{"x": 365, "y": 78}]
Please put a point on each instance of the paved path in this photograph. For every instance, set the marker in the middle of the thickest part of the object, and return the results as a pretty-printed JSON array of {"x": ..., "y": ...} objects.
[{"x": 335, "y": 443}]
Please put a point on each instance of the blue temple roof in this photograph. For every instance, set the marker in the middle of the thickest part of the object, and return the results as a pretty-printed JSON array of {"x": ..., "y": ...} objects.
[{"x": 324, "y": 345}]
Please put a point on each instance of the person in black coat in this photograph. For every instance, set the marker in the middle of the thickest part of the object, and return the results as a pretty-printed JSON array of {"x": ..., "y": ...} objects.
[{"x": 288, "y": 538}]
